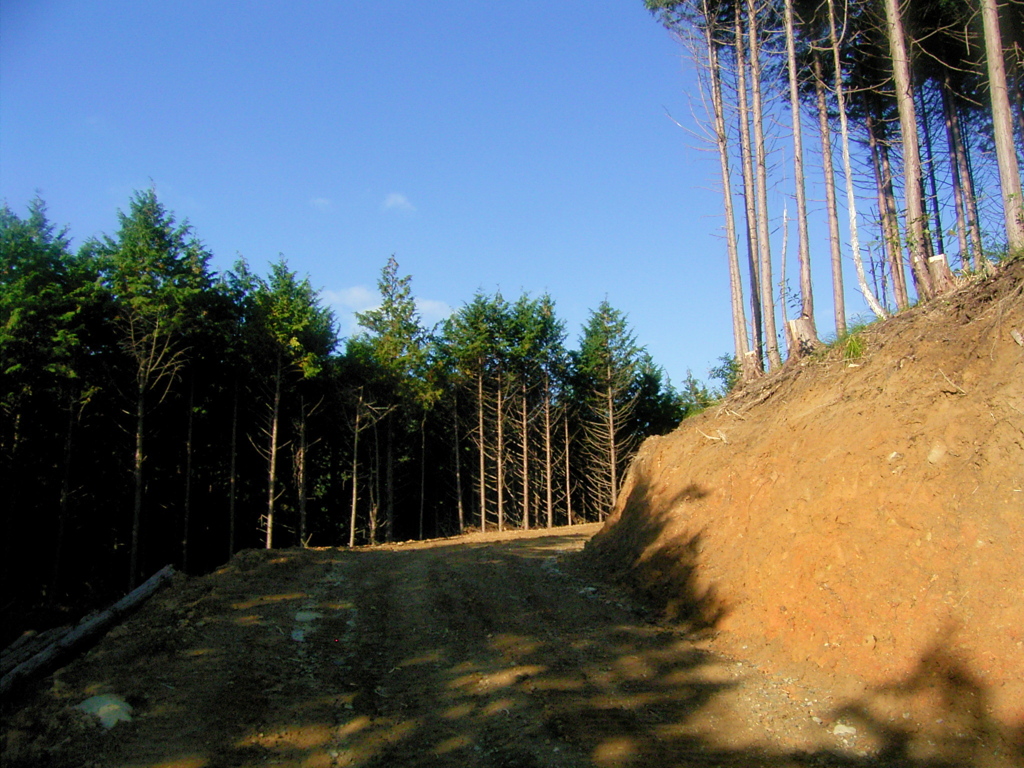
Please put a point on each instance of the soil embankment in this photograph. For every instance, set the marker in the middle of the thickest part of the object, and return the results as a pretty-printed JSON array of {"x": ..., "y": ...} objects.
[{"x": 857, "y": 518}]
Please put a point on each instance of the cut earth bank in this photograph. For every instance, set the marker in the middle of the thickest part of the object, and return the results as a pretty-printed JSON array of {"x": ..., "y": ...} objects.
[{"x": 856, "y": 518}]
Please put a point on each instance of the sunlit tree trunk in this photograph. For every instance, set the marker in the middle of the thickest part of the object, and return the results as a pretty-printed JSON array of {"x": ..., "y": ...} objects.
[
  {"x": 803, "y": 238},
  {"x": 761, "y": 177},
  {"x": 747, "y": 165},
  {"x": 832, "y": 210},
  {"x": 355, "y": 471},
  {"x": 912, "y": 186},
  {"x": 739, "y": 322},
  {"x": 887, "y": 212},
  {"x": 851, "y": 200},
  {"x": 526, "y": 459},
  {"x": 1002, "y": 128},
  {"x": 275, "y": 413},
  {"x": 482, "y": 445},
  {"x": 548, "y": 470}
]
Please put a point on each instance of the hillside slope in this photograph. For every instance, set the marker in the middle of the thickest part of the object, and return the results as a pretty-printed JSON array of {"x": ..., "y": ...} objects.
[{"x": 861, "y": 519}]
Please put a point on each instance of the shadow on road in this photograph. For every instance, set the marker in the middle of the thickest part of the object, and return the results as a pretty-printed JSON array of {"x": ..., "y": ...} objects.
[{"x": 493, "y": 654}]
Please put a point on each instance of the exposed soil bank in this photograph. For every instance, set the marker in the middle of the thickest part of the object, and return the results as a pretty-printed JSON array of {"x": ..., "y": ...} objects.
[{"x": 858, "y": 519}]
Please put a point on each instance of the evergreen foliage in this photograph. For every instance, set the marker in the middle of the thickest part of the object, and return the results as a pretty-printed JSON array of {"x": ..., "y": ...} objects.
[{"x": 152, "y": 411}]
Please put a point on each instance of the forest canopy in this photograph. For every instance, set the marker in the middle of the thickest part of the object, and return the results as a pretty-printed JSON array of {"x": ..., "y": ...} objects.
[{"x": 153, "y": 411}]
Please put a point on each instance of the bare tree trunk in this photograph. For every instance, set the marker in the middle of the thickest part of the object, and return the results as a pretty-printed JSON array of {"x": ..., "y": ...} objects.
[
  {"x": 1002, "y": 128},
  {"x": 741, "y": 346},
  {"x": 300, "y": 471},
  {"x": 65, "y": 497},
  {"x": 140, "y": 412},
  {"x": 933, "y": 187},
  {"x": 275, "y": 416},
  {"x": 761, "y": 174},
  {"x": 955, "y": 172},
  {"x": 834, "y": 241},
  {"x": 423, "y": 470},
  {"x": 548, "y": 479},
  {"x": 375, "y": 489},
  {"x": 568, "y": 472},
  {"x": 187, "y": 511},
  {"x": 233, "y": 473},
  {"x": 851, "y": 200},
  {"x": 500, "y": 455},
  {"x": 483, "y": 450},
  {"x": 389, "y": 488},
  {"x": 458, "y": 465},
  {"x": 355, "y": 473},
  {"x": 803, "y": 244},
  {"x": 613, "y": 458},
  {"x": 887, "y": 211},
  {"x": 526, "y": 462},
  {"x": 915, "y": 213},
  {"x": 747, "y": 164}
]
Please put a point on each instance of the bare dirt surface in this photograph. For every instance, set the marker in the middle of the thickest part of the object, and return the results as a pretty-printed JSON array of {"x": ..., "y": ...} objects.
[
  {"x": 494, "y": 650},
  {"x": 826, "y": 570},
  {"x": 857, "y": 521}
]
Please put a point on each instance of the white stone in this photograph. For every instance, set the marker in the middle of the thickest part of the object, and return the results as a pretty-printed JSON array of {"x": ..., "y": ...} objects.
[{"x": 110, "y": 709}]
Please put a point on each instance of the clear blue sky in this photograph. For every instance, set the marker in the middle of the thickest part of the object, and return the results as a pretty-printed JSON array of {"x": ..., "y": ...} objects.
[{"x": 517, "y": 145}]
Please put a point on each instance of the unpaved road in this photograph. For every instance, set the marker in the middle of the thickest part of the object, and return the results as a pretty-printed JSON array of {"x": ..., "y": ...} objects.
[{"x": 485, "y": 651}]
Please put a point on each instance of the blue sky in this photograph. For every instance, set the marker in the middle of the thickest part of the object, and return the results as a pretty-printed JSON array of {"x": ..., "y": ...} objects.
[{"x": 519, "y": 145}]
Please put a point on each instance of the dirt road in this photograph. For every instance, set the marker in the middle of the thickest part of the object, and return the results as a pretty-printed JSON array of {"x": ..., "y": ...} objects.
[{"x": 486, "y": 651}]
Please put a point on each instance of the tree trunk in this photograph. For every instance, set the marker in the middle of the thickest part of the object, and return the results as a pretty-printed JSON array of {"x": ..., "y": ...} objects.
[
  {"x": 739, "y": 321},
  {"x": 233, "y": 474},
  {"x": 568, "y": 472},
  {"x": 458, "y": 466},
  {"x": 526, "y": 461},
  {"x": 613, "y": 458},
  {"x": 275, "y": 415},
  {"x": 137, "y": 476},
  {"x": 933, "y": 187},
  {"x": 482, "y": 454},
  {"x": 187, "y": 511},
  {"x": 1002, "y": 128},
  {"x": 851, "y": 200},
  {"x": 423, "y": 469},
  {"x": 834, "y": 241},
  {"x": 500, "y": 456},
  {"x": 549, "y": 494},
  {"x": 355, "y": 473},
  {"x": 761, "y": 175},
  {"x": 389, "y": 487},
  {"x": 915, "y": 214},
  {"x": 64, "y": 502},
  {"x": 803, "y": 238},
  {"x": 956, "y": 173},
  {"x": 300, "y": 471},
  {"x": 747, "y": 165},
  {"x": 887, "y": 211}
]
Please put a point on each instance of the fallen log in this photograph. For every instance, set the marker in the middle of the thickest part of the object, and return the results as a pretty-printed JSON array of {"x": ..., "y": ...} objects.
[
  {"x": 87, "y": 630},
  {"x": 28, "y": 645}
]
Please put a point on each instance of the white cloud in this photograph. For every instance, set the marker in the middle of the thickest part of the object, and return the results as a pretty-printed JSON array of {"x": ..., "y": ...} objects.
[
  {"x": 432, "y": 311},
  {"x": 358, "y": 298},
  {"x": 396, "y": 201},
  {"x": 320, "y": 203},
  {"x": 346, "y": 302}
]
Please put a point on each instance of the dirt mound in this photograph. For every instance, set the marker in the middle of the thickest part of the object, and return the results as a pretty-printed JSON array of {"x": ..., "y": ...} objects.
[{"x": 860, "y": 515}]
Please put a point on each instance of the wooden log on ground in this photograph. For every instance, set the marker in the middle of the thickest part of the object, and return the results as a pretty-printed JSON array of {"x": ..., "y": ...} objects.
[
  {"x": 88, "y": 629},
  {"x": 28, "y": 645}
]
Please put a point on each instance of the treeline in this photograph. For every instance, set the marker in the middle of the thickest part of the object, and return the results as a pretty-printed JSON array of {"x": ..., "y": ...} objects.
[
  {"x": 916, "y": 110},
  {"x": 155, "y": 412}
]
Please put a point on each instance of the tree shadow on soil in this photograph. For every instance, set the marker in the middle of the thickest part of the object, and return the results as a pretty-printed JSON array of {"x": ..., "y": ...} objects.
[{"x": 440, "y": 657}]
